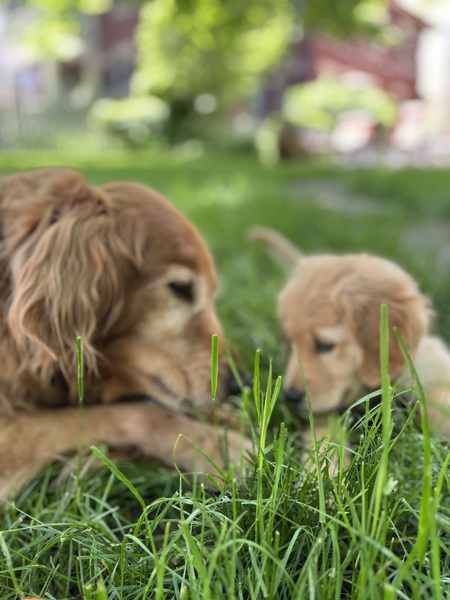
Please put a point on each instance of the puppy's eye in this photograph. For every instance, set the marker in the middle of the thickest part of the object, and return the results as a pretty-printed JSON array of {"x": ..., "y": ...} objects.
[
  {"x": 183, "y": 291},
  {"x": 323, "y": 347}
]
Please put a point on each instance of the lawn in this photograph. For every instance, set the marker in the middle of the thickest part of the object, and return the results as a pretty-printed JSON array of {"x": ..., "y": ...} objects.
[{"x": 381, "y": 530}]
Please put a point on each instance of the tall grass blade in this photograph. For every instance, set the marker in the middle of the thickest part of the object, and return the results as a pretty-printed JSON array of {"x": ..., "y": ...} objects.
[
  {"x": 80, "y": 432},
  {"x": 386, "y": 419},
  {"x": 118, "y": 474},
  {"x": 80, "y": 371},
  {"x": 214, "y": 365},
  {"x": 9, "y": 565},
  {"x": 427, "y": 512},
  {"x": 312, "y": 425},
  {"x": 257, "y": 385}
]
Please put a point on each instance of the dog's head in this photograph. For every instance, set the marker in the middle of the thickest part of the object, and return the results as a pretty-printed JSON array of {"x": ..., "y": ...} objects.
[
  {"x": 329, "y": 312},
  {"x": 120, "y": 267}
]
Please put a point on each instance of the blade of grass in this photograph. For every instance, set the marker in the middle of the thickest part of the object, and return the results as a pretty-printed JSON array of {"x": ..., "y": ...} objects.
[
  {"x": 426, "y": 501},
  {"x": 257, "y": 384},
  {"x": 427, "y": 532},
  {"x": 312, "y": 425},
  {"x": 9, "y": 565},
  {"x": 386, "y": 420},
  {"x": 118, "y": 474},
  {"x": 80, "y": 371},
  {"x": 214, "y": 365},
  {"x": 80, "y": 432}
]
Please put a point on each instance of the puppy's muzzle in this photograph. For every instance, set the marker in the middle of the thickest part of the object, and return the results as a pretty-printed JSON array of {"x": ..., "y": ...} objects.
[{"x": 294, "y": 396}]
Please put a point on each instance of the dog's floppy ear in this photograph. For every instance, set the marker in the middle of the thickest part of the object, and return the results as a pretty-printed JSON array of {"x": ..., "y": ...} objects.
[
  {"x": 22, "y": 203},
  {"x": 65, "y": 272},
  {"x": 361, "y": 296},
  {"x": 278, "y": 247}
]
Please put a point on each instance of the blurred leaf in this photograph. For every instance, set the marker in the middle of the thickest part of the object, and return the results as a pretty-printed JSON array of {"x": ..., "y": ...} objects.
[
  {"x": 341, "y": 18},
  {"x": 136, "y": 118},
  {"x": 318, "y": 103},
  {"x": 56, "y": 36},
  {"x": 209, "y": 46},
  {"x": 148, "y": 109},
  {"x": 53, "y": 27}
]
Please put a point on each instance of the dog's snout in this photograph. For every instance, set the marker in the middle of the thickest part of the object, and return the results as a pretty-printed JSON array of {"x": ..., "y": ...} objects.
[{"x": 294, "y": 395}]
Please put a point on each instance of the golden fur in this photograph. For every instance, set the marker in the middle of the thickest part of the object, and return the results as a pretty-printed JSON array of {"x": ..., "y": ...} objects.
[
  {"x": 329, "y": 312},
  {"x": 120, "y": 267}
]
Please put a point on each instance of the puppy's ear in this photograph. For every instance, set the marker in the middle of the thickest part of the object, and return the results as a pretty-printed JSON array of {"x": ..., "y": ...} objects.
[
  {"x": 278, "y": 247},
  {"x": 65, "y": 270},
  {"x": 361, "y": 297}
]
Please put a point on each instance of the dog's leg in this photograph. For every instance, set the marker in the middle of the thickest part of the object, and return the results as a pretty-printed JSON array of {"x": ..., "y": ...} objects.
[{"x": 30, "y": 441}]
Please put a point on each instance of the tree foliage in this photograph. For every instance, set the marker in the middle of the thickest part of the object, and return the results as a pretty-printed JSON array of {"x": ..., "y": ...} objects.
[
  {"x": 218, "y": 47},
  {"x": 198, "y": 55},
  {"x": 317, "y": 104},
  {"x": 190, "y": 47},
  {"x": 341, "y": 18},
  {"x": 223, "y": 49},
  {"x": 52, "y": 28}
]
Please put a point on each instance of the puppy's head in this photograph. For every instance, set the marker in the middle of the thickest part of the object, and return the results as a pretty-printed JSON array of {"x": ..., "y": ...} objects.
[
  {"x": 121, "y": 268},
  {"x": 330, "y": 313}
]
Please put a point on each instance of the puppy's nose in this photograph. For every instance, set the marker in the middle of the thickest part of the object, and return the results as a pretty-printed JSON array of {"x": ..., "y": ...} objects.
[{"x": 294, "y": 395}]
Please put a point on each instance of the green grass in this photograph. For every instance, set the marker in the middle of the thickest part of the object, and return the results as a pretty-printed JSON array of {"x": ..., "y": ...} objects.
[{"x": 382, "y": 530}]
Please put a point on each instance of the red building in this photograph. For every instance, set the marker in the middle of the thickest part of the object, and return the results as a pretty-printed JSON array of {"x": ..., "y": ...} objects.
[{"x": 392, "y": 68}]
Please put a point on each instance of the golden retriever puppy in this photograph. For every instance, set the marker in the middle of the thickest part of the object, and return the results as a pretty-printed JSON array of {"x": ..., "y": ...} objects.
[
  {"x": 329, "y": 312},
  {"x": 120, "y": 267}
]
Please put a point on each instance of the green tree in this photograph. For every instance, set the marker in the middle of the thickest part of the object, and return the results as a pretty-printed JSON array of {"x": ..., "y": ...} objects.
[
  {"x": 209, "y": 46},
  {"x": 201, "y": 55},
  {"x": 220, "y": 50},
  {"x": 55, "y": 30}
]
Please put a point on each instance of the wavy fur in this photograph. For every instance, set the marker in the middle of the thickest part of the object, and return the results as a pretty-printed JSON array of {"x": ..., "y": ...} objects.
[{"x": 120, "y": 267}]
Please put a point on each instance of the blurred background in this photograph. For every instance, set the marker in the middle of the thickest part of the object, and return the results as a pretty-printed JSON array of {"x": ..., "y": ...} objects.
[{"x": 360, "y": 82}]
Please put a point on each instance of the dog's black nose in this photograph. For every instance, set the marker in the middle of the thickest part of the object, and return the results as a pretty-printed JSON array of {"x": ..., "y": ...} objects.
[{"x": 294, "y": 395}]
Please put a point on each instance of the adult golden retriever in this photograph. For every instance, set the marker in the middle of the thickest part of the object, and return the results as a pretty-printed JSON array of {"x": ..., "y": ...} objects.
[
  {"x": 121, "y": 268},
  {"x": 329, "y": 312}
]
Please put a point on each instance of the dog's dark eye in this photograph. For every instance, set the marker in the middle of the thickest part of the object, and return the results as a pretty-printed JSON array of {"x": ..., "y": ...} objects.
[
  {"x": 183, "y": 291},
  {"x": 323, "y": 347}
]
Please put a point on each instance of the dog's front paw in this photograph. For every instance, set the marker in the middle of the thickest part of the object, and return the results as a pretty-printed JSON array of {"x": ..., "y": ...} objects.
[
  {"x": 212, "y": 450},
  {"x": 177, "y": 439}
]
